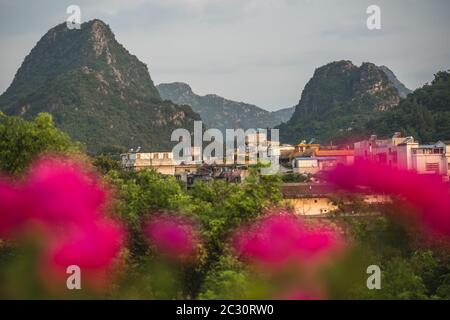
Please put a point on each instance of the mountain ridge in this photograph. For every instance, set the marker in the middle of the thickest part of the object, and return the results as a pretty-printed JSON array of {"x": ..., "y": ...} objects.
[
  {"x": 221, "y": 113},
  {"x": 95, "y": 89},
  {"x": 338, "y": 100},
  {"x": 401, "y": 88}
]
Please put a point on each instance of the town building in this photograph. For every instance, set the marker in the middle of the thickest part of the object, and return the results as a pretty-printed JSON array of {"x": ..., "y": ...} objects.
[
  {"x": 162, "y": 162},
  {"x": 308, "y": 199},
  {"x": 316, "y": 199},
  {"x": 311, "y": 159},
  {"x": 406, "y": 153},
  {"x": 186, "y": 171}
]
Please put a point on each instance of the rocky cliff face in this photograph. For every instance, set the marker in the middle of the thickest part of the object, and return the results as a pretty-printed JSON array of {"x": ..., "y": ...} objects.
[
  {"x": 96, "y": 90},
  {"x": 403, "y": 91},
  {"x": 221, "y": 113},
  {"x": 338, "y": 100}
]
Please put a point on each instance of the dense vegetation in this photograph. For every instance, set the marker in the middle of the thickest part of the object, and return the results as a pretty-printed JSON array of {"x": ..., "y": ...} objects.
[
  {"x": 343, "y": 103},
  {"x": 338, "y": 101},
  {"x": 97, "y": 92},
  {"x": 424, "y": 114},
  {"x": 411, "y": 267},
  {"x": 22, "y": 141}
]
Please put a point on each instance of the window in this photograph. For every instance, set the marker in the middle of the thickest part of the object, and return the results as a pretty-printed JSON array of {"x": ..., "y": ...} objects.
[
  {"x": 394, "y": 157},
  {"x": 432, "y": 167}
]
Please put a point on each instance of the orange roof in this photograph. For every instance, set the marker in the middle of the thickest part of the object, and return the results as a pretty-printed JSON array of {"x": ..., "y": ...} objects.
[{"x": 333, "y": 153}]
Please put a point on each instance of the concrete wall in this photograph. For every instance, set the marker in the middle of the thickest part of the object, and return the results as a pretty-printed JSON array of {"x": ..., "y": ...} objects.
[
  {"x": 419, "y": 163},
  {"x": 311, "y": 206}
]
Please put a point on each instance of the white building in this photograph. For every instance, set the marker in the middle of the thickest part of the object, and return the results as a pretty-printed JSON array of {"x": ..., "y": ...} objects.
[
  {"x": 406, "y": 153},
  {"x": 162, "y": 162}
]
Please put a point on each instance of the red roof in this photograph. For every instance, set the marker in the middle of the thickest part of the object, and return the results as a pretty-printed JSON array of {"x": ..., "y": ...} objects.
[{"x": 334, "y": 153}]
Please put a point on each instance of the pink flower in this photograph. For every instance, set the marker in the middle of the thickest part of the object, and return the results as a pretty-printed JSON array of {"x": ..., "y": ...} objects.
[
  {"x": 62, "y": 192},
  {"x": 65, "y": 204},
  {"x": 173, "y": 236},
  {"x": 428, "y": 194},
  {"x": 94, "y": 248},
  {"x": 280, "y": 239},
  {"x": 11, "y": 209},
  {"x": 301, "y": 294}
]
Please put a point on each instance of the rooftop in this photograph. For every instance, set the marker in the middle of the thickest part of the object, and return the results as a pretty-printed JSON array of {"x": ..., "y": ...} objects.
[
  {"x": 306, "y": 190},
  {"x": 334, "y": 153}
]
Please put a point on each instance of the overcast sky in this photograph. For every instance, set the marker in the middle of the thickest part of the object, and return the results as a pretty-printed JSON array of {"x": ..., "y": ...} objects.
[{"x": 257, "y": 51}]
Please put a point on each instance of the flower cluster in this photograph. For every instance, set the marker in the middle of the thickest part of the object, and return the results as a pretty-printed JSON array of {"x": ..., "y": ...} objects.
[
  {"x": 427, "y": 194},
  {"x": 65, "y": 204},
  {"x": 281, "y": 243},
  {"x": 280, "y": 238},
  {"x": 173, "y": 236}
]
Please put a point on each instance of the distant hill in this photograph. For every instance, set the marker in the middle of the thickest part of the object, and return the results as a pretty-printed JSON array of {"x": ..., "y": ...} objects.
[
  {"x": 339, "y": 100},
  {"x": 424, "y": 114},
  {"x": 96, "y": 91},
  {"x": 221, "y": 113},
  {"x": 403, "y": 91}
]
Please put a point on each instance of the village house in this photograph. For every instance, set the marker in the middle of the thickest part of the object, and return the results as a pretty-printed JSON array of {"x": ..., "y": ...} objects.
[
  {"x": 309, "y": 199},
  {"x": 161, "y": 162},
  {"x": 315, "y": 199},
  {"x": 312, "y": 159},
  {"x": 256, "y": 145},
  {"x": 186, "y": 171},
  {"x": 406, "y": 153}
]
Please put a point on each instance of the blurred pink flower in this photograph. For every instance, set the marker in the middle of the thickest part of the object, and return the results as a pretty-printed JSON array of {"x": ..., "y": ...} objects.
[
  {"x": 281, "y": 238},
  {"x": 63, "y": 192},
  {"x": 428, "y": 194},
  {"x": 64, "y": 204},
  {"x": 173, "y": 236},
  {"x": 11, "y": 209},
  {"x": 300, "y": 294},
  {"x": 94, "y": 248}
]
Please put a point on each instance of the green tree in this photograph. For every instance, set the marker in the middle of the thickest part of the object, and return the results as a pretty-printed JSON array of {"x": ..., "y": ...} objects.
[
  {"x": 106, "y": 163},
  {"x": 22, "y": 141}
]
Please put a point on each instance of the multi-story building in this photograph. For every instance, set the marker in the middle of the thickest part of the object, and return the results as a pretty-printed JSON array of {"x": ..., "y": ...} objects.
[
  {"x": 406, "y": 153},
  {"x": 320, "y": 159},
  {"x": 162, "y": 162}
]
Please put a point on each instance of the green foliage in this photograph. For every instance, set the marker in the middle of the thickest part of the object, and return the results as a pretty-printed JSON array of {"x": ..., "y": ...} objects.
[
  {"x": 400, "y": 282},
  {"x": 219, "y": 207},
  {"x": 410, "y": 269},
  {"x": 106, "y": 101},
  {"x": 227, "y": 280},
  {"x": 22, "y": 141},
  {"x": 144, "y": 191},
  {"x": 105, "y": 163},
  {"x": 424, "y": 114},
  {"x": 337, "y": 106},
  {"x": 338, "y": 101},
  {"x": 295, "y": 177}
]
